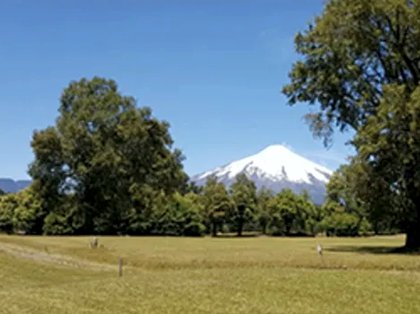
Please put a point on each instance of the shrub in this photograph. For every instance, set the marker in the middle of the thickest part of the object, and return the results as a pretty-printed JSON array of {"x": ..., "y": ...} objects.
[{"x": 341, "y": 224}]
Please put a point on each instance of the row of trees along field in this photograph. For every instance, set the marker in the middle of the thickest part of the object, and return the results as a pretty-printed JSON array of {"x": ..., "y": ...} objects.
[
  {"x": 194, "y": 211},
  {"x": 108, "y": 166}
]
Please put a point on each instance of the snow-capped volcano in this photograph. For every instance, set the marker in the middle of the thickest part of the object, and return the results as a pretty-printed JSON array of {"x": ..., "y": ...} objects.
[{"x": 276, "y": 168}]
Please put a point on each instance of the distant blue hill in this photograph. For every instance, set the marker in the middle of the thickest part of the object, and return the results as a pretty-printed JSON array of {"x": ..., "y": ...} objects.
[{"x": 11, "y": 186}]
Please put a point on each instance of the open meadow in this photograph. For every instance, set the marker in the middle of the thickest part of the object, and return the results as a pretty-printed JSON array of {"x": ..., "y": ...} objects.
[{"x": 207, "y": 275}]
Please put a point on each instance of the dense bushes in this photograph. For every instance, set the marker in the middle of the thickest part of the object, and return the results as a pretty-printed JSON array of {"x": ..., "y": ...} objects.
[
  {"x": 210, "y": 210},
  {"x": 291, "y": 214},
  {"x": 180, "y": 215},
  {"x": 341, "y": 224},
  {"x": 21, "y": 213}
]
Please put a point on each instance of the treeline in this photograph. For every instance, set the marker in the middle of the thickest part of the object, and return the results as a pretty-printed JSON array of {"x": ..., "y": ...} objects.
[
  {"x": 108, "y": 167},
  {"x": 211, "y": 209}
]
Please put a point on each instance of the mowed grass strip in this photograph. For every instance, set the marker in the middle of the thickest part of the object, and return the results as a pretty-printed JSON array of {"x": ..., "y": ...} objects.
[{"x": 186, "y": 275}]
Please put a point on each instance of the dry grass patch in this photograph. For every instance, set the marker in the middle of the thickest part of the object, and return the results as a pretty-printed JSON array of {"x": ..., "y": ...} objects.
[{"x": 186, "y": 275}]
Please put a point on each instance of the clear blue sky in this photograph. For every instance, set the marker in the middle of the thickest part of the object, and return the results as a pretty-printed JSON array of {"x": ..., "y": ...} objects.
[{"x": 212, "y": 68}]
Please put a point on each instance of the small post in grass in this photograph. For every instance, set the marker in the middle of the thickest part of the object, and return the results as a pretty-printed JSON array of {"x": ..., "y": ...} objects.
[
  {"x": 120, "y": 267},
  {"x": 94, "y": 243},
  {"x": 319, "y": 249},
  {"x": 320, "y": 252}
]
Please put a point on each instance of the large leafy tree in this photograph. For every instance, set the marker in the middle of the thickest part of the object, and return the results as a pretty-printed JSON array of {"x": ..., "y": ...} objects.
[
  {"x": 344, "y": 211},
  {"x": 217, "y": 204},
  {"x": 341, "y": 190},
  {"x": 244, "y": 196},
  {"x": 389, "y": 150},
  {"x": 356, "y": 56},
  {"x": 21, "y": 212},
  {"x": 29, "y": 215},
  {"x": 8, "y": 203},
  {"x": 264, "y": 197},
  {"x": 179, "y": 215},
  {"x": 105, "y": 159},
  {"x": 292, "y": 214}
]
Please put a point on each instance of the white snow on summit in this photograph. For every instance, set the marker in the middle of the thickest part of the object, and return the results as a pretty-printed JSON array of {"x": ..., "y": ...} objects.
[
  {"x": 275, "y": 168},
  {"x": 277, "y": 163}
]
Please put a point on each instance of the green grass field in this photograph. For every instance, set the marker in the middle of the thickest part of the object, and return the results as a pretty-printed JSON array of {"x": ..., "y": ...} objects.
[{"x": 206, "y": 275}]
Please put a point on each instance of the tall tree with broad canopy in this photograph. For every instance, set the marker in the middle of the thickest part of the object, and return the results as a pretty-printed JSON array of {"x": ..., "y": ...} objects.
[
  {"x": 291, "y": 214},
  {"x": 217, "y": 204},
  {"x": 105, "y": 159},
  {"x": 264, "y": 197},
  {"x": 342, "y": 191},
  {"x": 361, "y": 62},
  {"x": 244, "y": 196}
]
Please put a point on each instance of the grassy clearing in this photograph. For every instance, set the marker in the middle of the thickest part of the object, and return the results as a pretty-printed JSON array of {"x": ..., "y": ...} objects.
[{"x": 186, "y": 275}]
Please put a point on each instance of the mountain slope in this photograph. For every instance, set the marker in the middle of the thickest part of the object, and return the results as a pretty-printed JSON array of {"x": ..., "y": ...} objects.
[
  {"x": 275, "y": 168},
  {"x": 11, "y": 186}
]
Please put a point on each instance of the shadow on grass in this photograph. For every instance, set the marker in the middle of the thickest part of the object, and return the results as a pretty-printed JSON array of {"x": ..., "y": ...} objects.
[
  {"x": 234, "y": 236},
  {"x": 373, "y": 250}
]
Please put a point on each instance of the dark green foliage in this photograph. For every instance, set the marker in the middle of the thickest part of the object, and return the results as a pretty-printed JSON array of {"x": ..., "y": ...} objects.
[
  {"x": 244, "y": 196},
  {"x": 339, "y": 221},
  {"x": 100, "y": 167},
  {"x": 29, "y": 215},
  {"x": 341, "y": 224},
  {"x": 191, "y": 187},
  {"x": 216, "y": 204},
  {"x": 292, "y": 214},
  {"x": 351, "y": 51},
  {"x": 56, "y": 224},
  {"x": 361, "y": 66},
  {"x": 179, "y": 215},
  {"x": 21, "y": 212},
  {"x": 340, "y": 189},
  {"x": 7, "y": 205},
  {"x": 389, "y": 151},
  {"x": 263, "y": 211},
  {"x": 352, "y": 190}
]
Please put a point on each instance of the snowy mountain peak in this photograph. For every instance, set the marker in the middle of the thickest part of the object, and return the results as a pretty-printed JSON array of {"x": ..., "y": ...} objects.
[
  {"x": 275, "y": 167},
  {"x": 275, "y": 149}
]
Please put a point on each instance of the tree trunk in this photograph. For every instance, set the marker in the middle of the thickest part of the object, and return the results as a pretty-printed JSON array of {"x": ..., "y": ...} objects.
[
  {"x": 412, "y": 241},
  {"x": 241, "y": 213},
  {"x": 264, "y": 229},
  {"x": 214, "y": 229},
  {"x": 240, "y": 227},
  {"x": 375, "y": 227}
]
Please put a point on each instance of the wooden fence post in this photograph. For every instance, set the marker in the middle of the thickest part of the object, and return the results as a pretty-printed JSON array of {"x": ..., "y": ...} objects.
[{"x": 120, "y": 266}]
